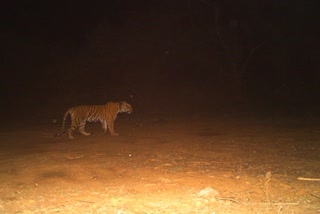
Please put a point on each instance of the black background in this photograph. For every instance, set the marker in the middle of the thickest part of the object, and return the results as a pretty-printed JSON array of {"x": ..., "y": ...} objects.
[{"x": 176, "y": 57}]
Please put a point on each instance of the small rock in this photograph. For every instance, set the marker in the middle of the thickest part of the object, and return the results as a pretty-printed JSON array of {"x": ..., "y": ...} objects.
[
  {"x": 268, "y": 175},
  {"x": 208, "y": 191}
]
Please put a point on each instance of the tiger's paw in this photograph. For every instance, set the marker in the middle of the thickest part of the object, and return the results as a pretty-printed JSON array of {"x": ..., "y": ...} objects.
[{"x": 115, "y": 134}]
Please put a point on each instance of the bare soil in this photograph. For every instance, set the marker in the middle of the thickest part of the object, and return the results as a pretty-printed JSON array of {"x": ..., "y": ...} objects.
[{"x": 162, "y": 164}]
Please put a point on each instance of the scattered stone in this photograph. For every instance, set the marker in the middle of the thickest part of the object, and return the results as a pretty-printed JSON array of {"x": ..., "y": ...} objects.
[
  {"x": 268, "y": 175},
  {"x": 208, "y": 191}
]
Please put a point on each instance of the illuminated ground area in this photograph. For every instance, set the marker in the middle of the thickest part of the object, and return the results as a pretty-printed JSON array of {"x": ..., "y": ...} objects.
[{"x": 160, "y": 165}]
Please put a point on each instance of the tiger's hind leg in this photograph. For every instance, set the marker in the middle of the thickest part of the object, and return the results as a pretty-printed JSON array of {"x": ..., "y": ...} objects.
[
  {"x": 73, "y": 127},
  {"x": 70, "y": 130},
  {"x": 104, "y": 125},
  {"x": 81, "y": 129}
]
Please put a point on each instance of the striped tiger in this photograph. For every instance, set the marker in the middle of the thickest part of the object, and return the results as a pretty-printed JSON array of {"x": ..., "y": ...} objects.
[{"x": 105, "y": 114}]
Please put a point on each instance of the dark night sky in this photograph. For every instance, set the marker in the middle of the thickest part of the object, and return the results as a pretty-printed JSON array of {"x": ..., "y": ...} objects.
[{"x": 183, "y": 56}]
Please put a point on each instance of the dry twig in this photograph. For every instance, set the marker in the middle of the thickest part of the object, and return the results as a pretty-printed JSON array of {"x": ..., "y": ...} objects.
[
  {"x": 308, "y": 179},
  {"x": 265, "y": 188},
  {"x": 314, "y": 195},
  {"x": 228, "y": 199},
  {"x": 91, "y": 202}
]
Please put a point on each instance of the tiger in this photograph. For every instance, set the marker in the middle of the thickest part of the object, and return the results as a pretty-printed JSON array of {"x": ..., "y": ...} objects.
[{"x": 105, "y": 114}]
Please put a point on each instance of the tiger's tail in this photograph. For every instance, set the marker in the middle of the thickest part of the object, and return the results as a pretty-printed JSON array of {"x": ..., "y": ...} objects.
[{"x": 63, "y": 123}]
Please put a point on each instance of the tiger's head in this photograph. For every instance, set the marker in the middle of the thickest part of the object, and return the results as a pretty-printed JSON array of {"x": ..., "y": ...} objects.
[{"x": 125, "y": 107}]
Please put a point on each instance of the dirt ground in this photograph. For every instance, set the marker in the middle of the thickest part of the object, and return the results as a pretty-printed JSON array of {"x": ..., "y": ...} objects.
[{"x": 162, "y": 164}]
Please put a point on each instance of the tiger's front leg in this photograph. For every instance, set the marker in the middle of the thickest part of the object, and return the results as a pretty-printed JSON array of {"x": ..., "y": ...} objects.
[{"x": 111, "y": 129}]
